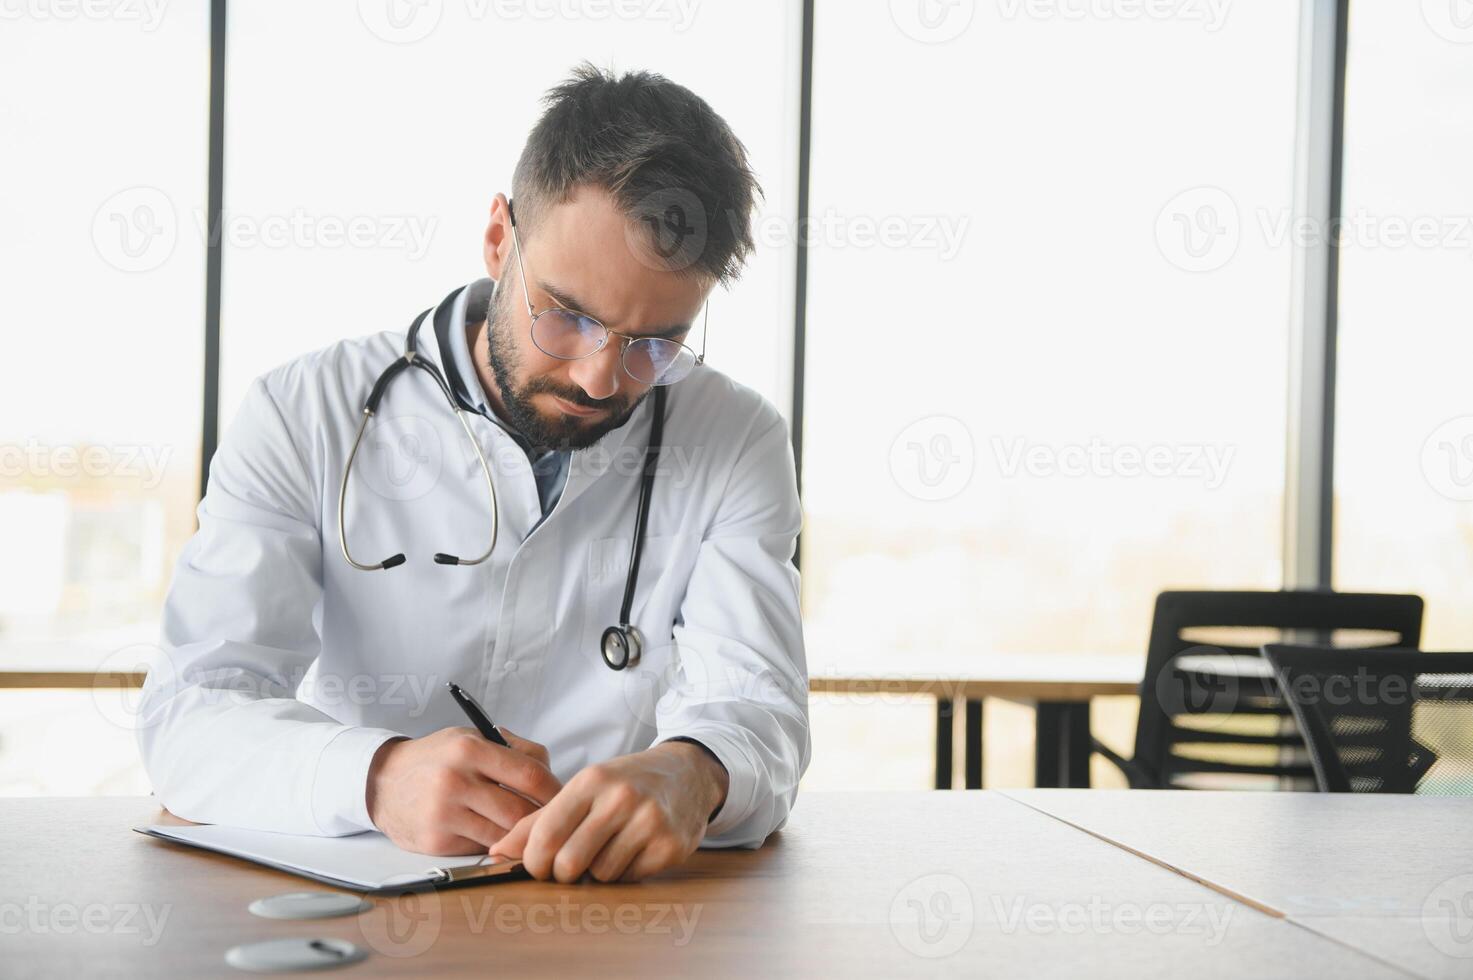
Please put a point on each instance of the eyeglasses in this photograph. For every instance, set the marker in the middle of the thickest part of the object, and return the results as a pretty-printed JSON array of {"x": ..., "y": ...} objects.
[{"x": 570, "y": 336}]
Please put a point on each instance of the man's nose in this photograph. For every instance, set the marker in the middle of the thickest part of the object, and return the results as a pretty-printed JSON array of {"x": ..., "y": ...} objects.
[{"x": 601, "y": 374}]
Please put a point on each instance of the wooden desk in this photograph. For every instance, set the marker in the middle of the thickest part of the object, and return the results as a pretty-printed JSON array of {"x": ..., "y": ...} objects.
[
  {"x": 1060, "y": 687},
  {"x": 1389, "y": 875},
  {"x": 858, "y": 885}
]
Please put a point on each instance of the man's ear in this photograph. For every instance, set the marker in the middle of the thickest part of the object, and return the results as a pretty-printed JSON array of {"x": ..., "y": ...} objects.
[{"x": 496, "y": 247}]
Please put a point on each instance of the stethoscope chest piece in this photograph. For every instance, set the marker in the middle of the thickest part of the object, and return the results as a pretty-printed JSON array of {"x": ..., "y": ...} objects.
[{"x": 621, "y": 647}]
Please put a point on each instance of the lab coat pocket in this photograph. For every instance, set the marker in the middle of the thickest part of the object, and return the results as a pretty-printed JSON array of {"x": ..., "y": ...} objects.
[
  {"x": 657, "y": 593},
  {"x": 664, "y": 572}
]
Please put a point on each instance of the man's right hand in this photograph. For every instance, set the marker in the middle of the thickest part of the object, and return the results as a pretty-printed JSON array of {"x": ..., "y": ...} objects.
[{"x": 454, "y": 792}]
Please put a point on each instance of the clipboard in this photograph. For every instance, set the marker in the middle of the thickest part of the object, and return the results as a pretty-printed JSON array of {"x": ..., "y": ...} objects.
[{"x": 368, "y": 863}]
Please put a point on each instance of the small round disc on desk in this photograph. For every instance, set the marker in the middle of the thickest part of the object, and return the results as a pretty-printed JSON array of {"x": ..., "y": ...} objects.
[
  {"x": 308, "y": 905},
  {"x": 285, "y": 955}
]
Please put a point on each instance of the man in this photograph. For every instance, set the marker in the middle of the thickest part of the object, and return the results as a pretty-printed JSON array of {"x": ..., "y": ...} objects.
[{"x": 302, "y": 686}]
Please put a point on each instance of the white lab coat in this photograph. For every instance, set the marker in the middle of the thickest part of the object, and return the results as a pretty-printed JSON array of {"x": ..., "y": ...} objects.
[{"x": 283, "y": 669}]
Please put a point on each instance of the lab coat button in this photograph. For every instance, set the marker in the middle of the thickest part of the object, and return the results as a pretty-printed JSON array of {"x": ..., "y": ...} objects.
[{"x": 511, "y": 666}]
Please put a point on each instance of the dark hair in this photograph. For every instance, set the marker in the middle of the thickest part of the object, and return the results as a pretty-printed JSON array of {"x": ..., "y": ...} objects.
[{"x": 671, "y": 163}]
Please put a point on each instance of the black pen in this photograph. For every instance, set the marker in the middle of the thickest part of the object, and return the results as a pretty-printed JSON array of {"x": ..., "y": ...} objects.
[{"x": 476, "y": 715}]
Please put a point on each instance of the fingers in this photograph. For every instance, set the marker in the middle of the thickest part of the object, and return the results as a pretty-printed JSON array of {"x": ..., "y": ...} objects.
[
  {"x": 619, "y": 853},
  {"x": 605, "y": 820},
  {"x": 462, "y": 831},
  {"x": 555, "y": 824},
  {"x": 526, "y": 746},
  {"x": 511, "y": 768},
  {"x": 659, "y": 854},
  {"x": 479, "y": 832},
  {"x": 500, "y": 806},
  {"x": 515, "y": 840}
]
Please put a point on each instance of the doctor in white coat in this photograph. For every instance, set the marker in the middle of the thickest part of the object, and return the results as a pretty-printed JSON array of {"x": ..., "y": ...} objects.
[{"x": 298, "y": 693}]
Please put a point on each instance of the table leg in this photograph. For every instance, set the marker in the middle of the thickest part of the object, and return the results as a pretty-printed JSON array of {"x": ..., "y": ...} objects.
[
  {"x": 943, "y": 743},
  {"x": 1061, "y": 747},
  {"x": 973, "y": 763}
]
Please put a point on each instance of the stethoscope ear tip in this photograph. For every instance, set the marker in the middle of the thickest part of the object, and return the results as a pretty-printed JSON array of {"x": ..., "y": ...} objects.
[
  {"x": 392, "y": 562},
  {"x": 443, "y": 559}
]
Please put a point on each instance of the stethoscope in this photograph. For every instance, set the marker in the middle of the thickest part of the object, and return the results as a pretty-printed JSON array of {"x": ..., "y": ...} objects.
[{"x": 620, "y": 645}]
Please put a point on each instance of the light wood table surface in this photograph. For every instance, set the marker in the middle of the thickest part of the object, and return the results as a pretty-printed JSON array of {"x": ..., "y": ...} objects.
[
  {"x": 1389, "y": 875},
  {"x": 857, "y": 885}
]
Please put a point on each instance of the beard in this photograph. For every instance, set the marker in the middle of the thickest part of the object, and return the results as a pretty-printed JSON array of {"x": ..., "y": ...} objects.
[{"x": 553, "y": 430}]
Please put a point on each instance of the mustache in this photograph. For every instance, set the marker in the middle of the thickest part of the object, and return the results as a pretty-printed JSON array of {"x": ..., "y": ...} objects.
[{"x": 616, "y": 404}]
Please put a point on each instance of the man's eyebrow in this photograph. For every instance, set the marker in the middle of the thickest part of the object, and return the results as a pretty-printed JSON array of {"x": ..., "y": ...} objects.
[{"x": 569, "y": 302}]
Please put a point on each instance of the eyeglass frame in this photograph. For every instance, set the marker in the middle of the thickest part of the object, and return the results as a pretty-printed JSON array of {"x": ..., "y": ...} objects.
[{"x": 628, "y": 339}]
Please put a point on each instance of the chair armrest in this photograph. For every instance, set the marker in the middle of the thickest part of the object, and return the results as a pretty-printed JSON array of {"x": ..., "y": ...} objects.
[{"x": 1134, "y": 774}]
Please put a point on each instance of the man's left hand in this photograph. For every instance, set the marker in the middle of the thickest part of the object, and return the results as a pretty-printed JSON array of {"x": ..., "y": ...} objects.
[{"x": 624, "y": 819}]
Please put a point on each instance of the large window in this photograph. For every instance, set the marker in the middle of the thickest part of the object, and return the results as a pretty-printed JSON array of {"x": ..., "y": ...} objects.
[
  {"x": 1047, "y": 328},
  {"x": 100, "y": 410},
  {"x": 1050, "y": 249},
  {"x": 1404, "y": 430}
]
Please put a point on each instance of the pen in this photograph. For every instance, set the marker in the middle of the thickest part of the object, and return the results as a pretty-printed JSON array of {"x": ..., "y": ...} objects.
[{"x": 476, "y": 715}]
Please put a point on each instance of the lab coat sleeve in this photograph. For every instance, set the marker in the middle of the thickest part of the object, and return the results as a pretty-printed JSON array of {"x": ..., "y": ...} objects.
[
  {"x": 220, "y": 731},
  {"x": 742, "y": 686}
]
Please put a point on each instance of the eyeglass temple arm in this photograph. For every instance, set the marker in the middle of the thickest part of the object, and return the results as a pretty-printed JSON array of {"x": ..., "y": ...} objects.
[{"x": 705, "y": 322}]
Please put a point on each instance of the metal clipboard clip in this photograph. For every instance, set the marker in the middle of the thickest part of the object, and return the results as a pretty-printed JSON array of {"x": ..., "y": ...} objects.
[{"x": 482, "y": 869}]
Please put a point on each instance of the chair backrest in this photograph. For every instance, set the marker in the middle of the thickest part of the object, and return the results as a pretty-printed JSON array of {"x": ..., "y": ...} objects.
[
  {"x": 1382, "y": 721},
  {"x": 1230, "y": 720}
]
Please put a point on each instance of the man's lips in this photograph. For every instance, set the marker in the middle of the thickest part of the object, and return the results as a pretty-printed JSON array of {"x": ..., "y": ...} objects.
[{"x": 578, "y": 411}]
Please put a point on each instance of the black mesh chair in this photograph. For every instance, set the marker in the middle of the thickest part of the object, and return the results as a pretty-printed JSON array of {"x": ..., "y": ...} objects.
[
  {"x": 1210, "y": 711},
  {"x": 1383, "y": 721}
]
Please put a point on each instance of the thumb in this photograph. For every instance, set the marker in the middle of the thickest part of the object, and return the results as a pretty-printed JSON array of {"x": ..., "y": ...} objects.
[{"x": 515, "y": 841}]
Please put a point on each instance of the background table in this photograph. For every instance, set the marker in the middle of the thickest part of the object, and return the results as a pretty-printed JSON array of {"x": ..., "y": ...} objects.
[
  {"x": 858, "y": 885},
  {"x": 1060, "y": 686}
]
